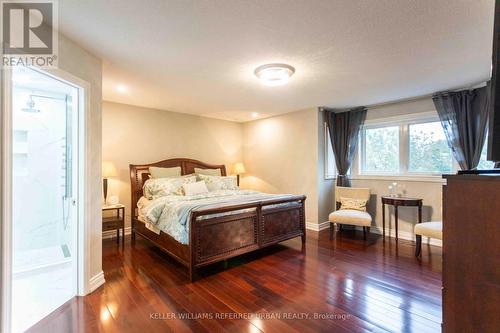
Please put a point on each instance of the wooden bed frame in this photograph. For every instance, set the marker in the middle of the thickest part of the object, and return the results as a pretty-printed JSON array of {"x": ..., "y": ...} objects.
[{"x": 219, "y": 238}]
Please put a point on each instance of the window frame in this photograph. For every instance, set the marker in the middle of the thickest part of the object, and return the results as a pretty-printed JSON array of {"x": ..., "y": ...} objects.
[
  {"x": 362, "y": 151},
  {"x": 403, "y": 122},
  {"x": 327, "y": 161}
]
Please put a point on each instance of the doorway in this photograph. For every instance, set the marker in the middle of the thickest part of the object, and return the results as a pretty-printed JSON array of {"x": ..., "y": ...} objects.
[{"x": 43, "y": 154}]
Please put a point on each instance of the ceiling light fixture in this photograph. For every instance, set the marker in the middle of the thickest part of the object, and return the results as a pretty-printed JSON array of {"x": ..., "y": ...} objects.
[
  {"x": 121, "y": 88},
  {"x": 274, "y": 74}
]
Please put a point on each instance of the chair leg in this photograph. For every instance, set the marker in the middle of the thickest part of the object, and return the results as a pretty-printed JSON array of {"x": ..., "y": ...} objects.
[
  {"x": 364, "y": 233},
  {"x": 418, "y": 245}
]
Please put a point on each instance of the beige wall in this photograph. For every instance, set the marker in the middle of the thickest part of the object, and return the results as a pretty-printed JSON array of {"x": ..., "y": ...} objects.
[
  {"x": 402, "y": 108},
  {"x": 430, "y": 192},
  {"x": 281, "y": 156},
  {"x": 136, "y": 135}
]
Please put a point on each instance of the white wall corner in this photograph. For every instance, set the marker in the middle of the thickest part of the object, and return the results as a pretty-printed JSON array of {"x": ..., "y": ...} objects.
[
  {"x": 317, "y": 226},
  {"x": 96, "y": 281}
]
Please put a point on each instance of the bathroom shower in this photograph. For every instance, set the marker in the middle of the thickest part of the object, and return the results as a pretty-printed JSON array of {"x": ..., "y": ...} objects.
[
  {"x": 66, "y": 160},
  {"x": 30, "y": 106},
  {"x": 30, "y": 103}
]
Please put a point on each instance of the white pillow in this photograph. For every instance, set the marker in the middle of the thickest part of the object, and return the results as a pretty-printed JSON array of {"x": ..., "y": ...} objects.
[
  {"x": 195, "y": 188},
  {"x": 215, "y": 183},
  {"x": 156, "y": 172},
  {"x": 208, "y": 172}
]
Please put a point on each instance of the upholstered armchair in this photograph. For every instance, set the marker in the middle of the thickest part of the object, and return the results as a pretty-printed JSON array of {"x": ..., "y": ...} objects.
[
  {"x": 428, "y": 229},
  {"x": 351, "y": 214}
]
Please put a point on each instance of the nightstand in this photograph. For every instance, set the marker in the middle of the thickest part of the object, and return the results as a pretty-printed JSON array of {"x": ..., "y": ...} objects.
[{"x": 116, "y": 221}]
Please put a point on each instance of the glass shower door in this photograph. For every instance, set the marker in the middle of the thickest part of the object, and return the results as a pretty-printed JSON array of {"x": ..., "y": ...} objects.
[{"x": 44, "y": 188}]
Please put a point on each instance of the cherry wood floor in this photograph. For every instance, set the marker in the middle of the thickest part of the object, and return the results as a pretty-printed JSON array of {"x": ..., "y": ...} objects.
[{"x": 346, "y": 285}]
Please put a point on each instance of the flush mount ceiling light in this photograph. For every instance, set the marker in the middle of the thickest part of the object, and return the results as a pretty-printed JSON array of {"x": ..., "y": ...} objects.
[{"x": 274, "y": 74}]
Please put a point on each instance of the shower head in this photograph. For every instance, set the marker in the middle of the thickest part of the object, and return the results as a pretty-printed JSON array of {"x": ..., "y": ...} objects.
[{"x": 30, "y": 106}]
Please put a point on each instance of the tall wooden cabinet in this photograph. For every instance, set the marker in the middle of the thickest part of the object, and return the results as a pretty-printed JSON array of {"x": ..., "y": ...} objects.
[{"x": 471, "y": 253}]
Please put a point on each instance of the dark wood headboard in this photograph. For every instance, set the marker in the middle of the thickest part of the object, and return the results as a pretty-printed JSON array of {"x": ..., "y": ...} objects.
[{"x": 140, "y": 173}]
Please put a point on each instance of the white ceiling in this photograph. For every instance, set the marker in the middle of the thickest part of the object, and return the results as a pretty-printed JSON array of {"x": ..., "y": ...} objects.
[{"x": 198, "y": 56}]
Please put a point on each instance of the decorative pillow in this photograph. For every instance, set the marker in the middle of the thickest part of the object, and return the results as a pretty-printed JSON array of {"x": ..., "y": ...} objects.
[
  {"x": 354, "y": 204},
  {"x": 215, "y": 183},
  {"x": 157, "y": 172},
  {"x": 159, "y": 187},
  {"x": 195, "y": 188},
  {"x": 208, "y": 172}
]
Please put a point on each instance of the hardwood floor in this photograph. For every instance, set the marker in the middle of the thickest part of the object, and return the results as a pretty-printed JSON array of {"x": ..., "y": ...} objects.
[{"x": 364, "y": 286}]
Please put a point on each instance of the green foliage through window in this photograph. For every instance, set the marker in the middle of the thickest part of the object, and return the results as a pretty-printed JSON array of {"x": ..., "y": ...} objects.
[
  {"x": 382, "y": 150},
  {"x": 429, "y": 150},
  {"x": 414, "y": 146}
]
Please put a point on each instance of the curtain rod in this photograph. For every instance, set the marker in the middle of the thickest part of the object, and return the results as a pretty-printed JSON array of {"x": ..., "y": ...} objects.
[{"x": 415, "y": 98}]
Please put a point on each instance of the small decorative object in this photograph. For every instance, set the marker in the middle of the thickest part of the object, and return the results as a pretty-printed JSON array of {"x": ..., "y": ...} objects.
[
  {"x": 238, "y": 169},
  {"x": 393, "y": 189},
  {"x": 401, "y": 190},
  {"x": 113, "y": 200}
]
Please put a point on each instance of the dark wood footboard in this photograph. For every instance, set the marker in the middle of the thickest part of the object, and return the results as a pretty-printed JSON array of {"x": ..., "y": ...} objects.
[{"x": 220, "y": 238}]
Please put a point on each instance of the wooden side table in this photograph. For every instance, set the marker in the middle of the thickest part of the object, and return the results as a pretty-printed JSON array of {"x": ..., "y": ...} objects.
[
  {"x": 396, "y": 202},
  {"x": 117, "y": 221}
]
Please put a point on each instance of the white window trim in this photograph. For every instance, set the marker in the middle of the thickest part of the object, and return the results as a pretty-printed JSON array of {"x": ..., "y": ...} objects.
[
  {"x": 403, "y": 175},
  {"x": 327, "y": 161}
]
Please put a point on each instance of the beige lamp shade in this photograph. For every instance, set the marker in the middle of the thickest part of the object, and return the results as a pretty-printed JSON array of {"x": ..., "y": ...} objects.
[
  {"x": 239, "y": 168},
  {"x": 109, "y": 170}
]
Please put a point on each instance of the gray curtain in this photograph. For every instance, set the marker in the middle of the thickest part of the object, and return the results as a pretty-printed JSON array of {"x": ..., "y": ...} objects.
[
  {"x": 464, "y": 117},
  {"x": 344, "y": 130}
]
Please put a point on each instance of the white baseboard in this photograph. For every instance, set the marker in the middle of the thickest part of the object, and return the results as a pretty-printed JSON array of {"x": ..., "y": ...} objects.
[
  {"x": 96, "y": 281},
  {"x": 388, "y": 232},
  {"x": 112, "y": 233},
  {"x": 407, "y": 236},
  {"x": 317, "y": 226}
]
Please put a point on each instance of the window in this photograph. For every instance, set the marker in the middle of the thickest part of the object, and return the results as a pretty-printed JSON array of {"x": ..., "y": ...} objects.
[
  {"x": 405, "y": 145},
  {"x": 484, "y": 164},
  {"x": 381, "y": 153},
  {"x": 429, "y": 151},
  {"x": 330, "y": 168}
]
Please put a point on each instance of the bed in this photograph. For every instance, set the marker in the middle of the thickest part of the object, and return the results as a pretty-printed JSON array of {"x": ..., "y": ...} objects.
[{"x": 219, "y": 232}]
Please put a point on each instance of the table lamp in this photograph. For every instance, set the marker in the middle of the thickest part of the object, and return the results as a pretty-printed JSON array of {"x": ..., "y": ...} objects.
[
  {"x": 238, "y": 169},
  {"x": 108, "y": 171}
]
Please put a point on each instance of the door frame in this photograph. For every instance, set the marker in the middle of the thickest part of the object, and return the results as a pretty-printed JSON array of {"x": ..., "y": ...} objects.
[{"x": 84, "y": 188}]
